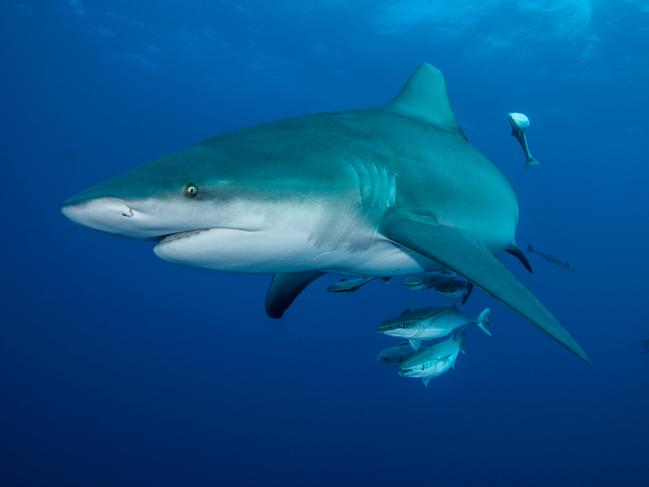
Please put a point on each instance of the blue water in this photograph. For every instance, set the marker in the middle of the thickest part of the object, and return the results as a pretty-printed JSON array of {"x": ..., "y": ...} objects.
[{"x": 119, "y": 369}]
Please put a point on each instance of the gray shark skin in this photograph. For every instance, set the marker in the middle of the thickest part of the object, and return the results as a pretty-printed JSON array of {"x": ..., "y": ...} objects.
[{"x": 392, "y": 191}]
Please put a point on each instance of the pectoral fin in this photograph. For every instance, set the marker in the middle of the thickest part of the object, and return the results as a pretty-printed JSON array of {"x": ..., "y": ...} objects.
[
  {"x": 470, "y": 258},
  {"x": 284, "y": 288}
]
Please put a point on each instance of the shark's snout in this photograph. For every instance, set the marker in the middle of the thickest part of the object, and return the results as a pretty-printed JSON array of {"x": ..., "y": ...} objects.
[{"x": 106, "y": 214}]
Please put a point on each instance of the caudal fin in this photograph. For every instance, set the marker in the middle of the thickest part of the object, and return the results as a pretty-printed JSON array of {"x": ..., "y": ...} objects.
[
  {"x": 469, "y": 289},
  {"x": 483, "y": 320},
  {"x": 531, "y": 162}
]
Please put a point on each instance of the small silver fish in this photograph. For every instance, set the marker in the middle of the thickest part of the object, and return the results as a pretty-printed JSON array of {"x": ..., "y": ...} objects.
[
  {"x": 520, "y": 124},
  {"x": 444, "y": 282},
  {"x": 434, "y": 361},
  {"x": 430, "y": 323},
  {"x": 352, "y": 285},
  {"x": 428, "y": 280},
  {"x": 551, "y": 259},
  {"x": 396, "y": 355}
]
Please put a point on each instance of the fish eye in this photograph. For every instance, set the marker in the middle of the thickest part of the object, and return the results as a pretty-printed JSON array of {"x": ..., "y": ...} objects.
[
  {"x": 422, "y": 367},
  {"x": 191, "y": 190}
]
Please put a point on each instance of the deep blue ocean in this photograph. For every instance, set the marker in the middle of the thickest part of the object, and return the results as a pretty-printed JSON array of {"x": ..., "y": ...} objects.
[{"x": 119, "y": 369}]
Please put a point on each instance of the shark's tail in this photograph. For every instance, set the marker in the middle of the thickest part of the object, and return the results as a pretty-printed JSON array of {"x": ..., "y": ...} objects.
[{"x": 483, "y": 320}]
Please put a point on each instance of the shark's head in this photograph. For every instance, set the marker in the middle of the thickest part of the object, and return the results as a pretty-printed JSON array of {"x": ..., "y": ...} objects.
[
  {"x": 176, "y": 193},
  {"x": 402, "y": 326},
  {"x": 174, "y": 200}
]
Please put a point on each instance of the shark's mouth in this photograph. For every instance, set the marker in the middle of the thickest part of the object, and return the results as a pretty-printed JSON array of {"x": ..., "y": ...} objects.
[
  {"x": 214, "y": 248},
  {"x": 175, "y": 237},
  {"x": 181, "y": 235}
]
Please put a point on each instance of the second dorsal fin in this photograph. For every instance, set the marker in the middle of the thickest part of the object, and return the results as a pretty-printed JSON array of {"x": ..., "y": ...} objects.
[{"x": 424, "y": 98}]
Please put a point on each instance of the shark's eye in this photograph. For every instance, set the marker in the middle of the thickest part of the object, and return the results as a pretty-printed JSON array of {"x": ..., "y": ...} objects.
[
  {"x": 191, "y": 190},
  {"x": 423, "y": 366}
]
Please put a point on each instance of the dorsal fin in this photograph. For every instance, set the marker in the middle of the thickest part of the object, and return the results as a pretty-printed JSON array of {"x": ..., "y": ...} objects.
[{"x": 424, "y": 98}]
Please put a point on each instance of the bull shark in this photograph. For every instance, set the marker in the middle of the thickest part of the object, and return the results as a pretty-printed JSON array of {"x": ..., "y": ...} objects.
[{"x": 391, "y": 191}]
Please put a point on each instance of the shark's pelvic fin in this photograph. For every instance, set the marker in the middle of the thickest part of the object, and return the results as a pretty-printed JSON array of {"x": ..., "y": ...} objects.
[
  {"x": 424, "y": 98},
  {"x": 518, "y": 253},
  {"x": 473, "y": 260},
  {"x": 284, "y": 288}
]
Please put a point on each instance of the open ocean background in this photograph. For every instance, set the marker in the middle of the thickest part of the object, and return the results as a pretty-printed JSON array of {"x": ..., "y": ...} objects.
[{"x": 117, "y": 368}]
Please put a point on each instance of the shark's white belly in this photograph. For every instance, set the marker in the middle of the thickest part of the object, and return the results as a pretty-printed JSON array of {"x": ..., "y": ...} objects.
[{"x": 286, "y": 249}]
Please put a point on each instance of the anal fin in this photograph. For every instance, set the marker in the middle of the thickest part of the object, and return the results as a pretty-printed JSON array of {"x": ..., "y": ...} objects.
[{"x": 518, "y": 253}]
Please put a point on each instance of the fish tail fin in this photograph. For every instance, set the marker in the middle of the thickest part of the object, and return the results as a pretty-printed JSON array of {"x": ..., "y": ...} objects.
[
  {"x": 531, "y": 162},
  {"x": 459, "y": 337},
  {"x": 469, "y": 289},
  {"x": 483, "y": 320}
]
